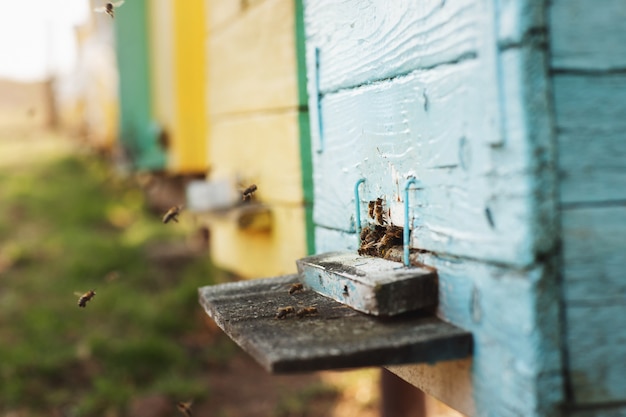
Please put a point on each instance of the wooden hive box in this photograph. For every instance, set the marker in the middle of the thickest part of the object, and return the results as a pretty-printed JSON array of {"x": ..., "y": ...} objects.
[{"x": 510, "y": 117}]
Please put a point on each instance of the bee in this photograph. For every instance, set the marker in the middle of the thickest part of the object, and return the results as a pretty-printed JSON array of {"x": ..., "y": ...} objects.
[
  {"x": 306, "y": 311},
  {"x": 282, "y": 312},
  {"x": 370, "y": 209},
  {"x": 172, "y": 214},
  {"x": 247, "y": 193},
  {"x": 295, "y": 288},
  {"x": 392, "y": 237},
  {"x": 369, "y": 238},
  {"x": 184, "y": 407},
  {"x": 379, "y": 213},
  {"x": 109, "y": 8},
  {"x": 84, "y": 298}
]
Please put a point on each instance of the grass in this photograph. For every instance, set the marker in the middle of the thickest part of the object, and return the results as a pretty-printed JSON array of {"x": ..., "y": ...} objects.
[{"x": 68, "y": 224}]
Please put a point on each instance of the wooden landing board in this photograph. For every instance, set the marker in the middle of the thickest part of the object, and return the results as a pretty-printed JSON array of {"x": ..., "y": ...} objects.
[
  {"x": 370, "y": 285},
  {"x": 336, "y": 337}
]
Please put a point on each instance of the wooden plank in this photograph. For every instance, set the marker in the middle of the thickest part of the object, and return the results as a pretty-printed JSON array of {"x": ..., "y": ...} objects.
[
  {"x": 588, "y": 34},
  {"x": 261, "y": 149},
  {"x": 371, "y": 285},
  {"x": 609, "y": 410},
  {"x": 335, "y": 337},
  {"x": 594, "y": 265},
  {"x": 162, "y": 64},
  {"x": 188, "y": 150},
  {"x": 594, "y": 289},
  {"x": 473, "y": 199},
  {"x": 513, "y": 316},
  {"x": 137, "y": 133},
  {"x": 449, "y": 381},
  {"x": 254, "y": 254},
  {"x": 592, "y": 150},
  {"x": 252, "y": 62},
  {"x": 329, "y": 240},
  {"x": 221, "y": 12},
  {"x": 363, "y": 42},
  {"x": 225, "y": 12},
  {"x": 597, "y": 363}
]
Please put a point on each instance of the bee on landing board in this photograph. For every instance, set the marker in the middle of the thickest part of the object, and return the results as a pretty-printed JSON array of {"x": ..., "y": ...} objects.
[
  {"x": 172, "y": 214},
  {"x": 295, "y": 288},
  {"x": 185, "y": 408},
  {"x": 306, "y": 311},
  {"x": 84, "y": 298},
  {"x": 109, "y": 8},
  {"x": 247, "y": 193},
  {"x": 282, "y": 312}
]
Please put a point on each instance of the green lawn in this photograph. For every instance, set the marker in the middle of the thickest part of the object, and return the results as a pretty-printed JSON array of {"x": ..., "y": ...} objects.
[{"x": 68, "y": 224}]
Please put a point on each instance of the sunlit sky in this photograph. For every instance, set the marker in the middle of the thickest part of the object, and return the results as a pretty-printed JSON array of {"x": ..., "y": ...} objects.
[{"x": 37, "y": 37}]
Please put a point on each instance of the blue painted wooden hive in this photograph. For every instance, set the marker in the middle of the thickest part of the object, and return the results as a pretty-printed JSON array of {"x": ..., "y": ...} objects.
[{"x": 511, "y": 116}]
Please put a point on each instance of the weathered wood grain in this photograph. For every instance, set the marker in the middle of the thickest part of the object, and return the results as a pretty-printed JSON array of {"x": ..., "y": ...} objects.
[
  {"x": 610, "y": 410},
  {"x": 595, "y": 340},
  {"x": 387, "y": 132},
  {"x": 371, "y": 285},
  {"x": 588, "y": 35},
  {"x": 591, "y": 136},
  {"x": 449, "y": 382},
  {"x": 259, "y": 149},
  {"x": 335, "y": 337},
  {"x": 594, "y": 255},
  {"x": 594, "y": 268},
  {"x": 360, "y": 42},
  {"x": 252, "y": 61},
  {"x": 513, "y": 316},
  {"x": 329, "y": 240}
]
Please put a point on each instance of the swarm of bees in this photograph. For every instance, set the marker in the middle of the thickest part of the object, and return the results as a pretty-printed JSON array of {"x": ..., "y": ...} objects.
[
  {"x": 379, "y": 237},
  {"x": 172, "y": 214},
  {"x": 85, "y": 298},
  {"x": 248, "y": 192},
  {"x": 109, "y": 8}
]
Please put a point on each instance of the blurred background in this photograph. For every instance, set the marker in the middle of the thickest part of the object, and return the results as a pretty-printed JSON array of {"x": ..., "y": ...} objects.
[{"x": 107, "y": 122}]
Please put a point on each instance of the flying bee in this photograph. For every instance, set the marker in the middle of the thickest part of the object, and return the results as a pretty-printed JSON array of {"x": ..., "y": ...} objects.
[
  {"x": 379, "y": 213},
  {"x": 172, "y": 214},
  {"x": 247, "y": 193},
  {"x": 184, "y": 407},
  {"x": 282, "y": 312},
  {"x": 84, "y": 298},
  {"x": 306, "y": 311},
  {"x": 109, "y": 8},
  {"x": 295, "y": 287}
]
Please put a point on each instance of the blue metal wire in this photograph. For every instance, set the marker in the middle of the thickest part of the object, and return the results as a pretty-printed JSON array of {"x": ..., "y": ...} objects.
[
  {"x": 357, "y": 202},
  {"x": 407, "y": 226}
]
